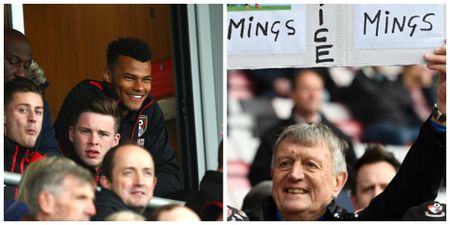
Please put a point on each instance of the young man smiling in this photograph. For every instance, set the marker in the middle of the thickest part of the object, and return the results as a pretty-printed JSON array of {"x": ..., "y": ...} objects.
[{"x": 127, "y": 79}]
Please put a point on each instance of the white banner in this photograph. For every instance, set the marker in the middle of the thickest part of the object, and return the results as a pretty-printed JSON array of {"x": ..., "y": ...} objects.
[
  {"x": 397, "y": 26},
  {"x": 272, "y": 31},
  {"x": 277, "y": 36}
]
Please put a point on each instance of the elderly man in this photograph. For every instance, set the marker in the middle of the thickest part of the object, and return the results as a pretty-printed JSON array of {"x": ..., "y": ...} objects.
[
  {"x": 128, "y": 79},
  {"x": 17, "y": 63},
  {"x": 308, "y": 169},
  {"x": 373, "y": 172},
  {"x": 128, "y": 180},
  {"x": 94, "y": 131},
  {"x": 55, "y": 188},
  {"x": 307, "y": 91}
]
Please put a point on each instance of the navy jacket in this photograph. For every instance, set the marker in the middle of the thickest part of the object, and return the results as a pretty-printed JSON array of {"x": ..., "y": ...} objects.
[
  {"x": 145, "y": 127},
  {"x": 106, "y": 203}
]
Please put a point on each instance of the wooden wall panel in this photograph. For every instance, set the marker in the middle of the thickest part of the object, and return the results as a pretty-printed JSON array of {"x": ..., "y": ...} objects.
[{"x": 69, "y": 41}]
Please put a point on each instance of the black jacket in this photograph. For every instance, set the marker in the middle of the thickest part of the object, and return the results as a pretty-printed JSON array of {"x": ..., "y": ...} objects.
[
  {"x": 154, "y": 137},
  {"x": 16, "y": 159},
  {"x": 260, "y": 168},
  {"x": 417, "y": 181},
  {"x": 106, "y": 203}
]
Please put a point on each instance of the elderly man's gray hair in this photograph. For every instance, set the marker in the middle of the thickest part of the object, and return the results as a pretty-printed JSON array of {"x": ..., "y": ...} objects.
[
  {"x": 47, "y": 175},
  {"x": 311, "y": 135}
]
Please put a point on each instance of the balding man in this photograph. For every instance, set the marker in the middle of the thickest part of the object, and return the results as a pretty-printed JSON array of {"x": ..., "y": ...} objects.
[{"x": 128, "y": 180}]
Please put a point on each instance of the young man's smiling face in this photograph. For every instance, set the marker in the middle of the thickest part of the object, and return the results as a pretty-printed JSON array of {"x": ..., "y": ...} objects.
[{"x": 131, "y": 80}]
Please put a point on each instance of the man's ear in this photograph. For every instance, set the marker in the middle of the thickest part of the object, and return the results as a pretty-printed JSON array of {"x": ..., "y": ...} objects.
[
  {"x": 46, "y": 202},
  {"x": 105, "y": 182},
  {"x": 339, "y": 182},
  {"x": 155, "y": 181},
  {"x": 107, "y": 76},
  {"x": 116, "y": 139},
  {"x": 71, "y": 134}
]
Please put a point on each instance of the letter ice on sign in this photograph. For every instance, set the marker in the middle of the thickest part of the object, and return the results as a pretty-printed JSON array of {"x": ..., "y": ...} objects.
[
  {"x": 398, "y": 26},
  {"x": 269, "y": 29}
]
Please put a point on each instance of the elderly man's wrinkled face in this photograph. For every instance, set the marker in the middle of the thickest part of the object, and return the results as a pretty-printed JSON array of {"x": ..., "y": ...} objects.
[
  {"x": 303, "y": 180},
  {"x": 76, "y": 202}
]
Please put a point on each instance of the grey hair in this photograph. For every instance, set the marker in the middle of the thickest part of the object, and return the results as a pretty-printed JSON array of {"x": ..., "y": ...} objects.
[
  {"x": 47, "y": 175},
  {"x": 313, "y": 135}
]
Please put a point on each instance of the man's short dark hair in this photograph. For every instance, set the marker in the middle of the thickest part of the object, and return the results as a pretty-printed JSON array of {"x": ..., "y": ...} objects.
[
  {"x": 100, "y": 104},
  {"x": 131, "y": 47},
  {"x": 374, "y": 153},
  {"x": 10, "y": 33},
  {"x": 19, "y": 85}
]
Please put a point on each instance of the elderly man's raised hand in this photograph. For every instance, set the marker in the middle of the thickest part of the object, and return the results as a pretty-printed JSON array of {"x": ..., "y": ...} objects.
[{"x": 437, "y": 61}]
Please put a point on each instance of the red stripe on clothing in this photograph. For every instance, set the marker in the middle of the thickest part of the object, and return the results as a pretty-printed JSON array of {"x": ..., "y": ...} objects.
[
  {"x": 135, "y": 123},
  {"x": 14, "y": 158},
  {"x": 97, "y": 84}
]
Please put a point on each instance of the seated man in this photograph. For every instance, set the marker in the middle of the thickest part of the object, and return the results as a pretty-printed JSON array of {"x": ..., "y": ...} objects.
[
  {"x": 55, "y": 188},
  {"x": 128, "y": 180},
  {"x": 24, "y": 112},
  {"x": 308, "y": 169},
  {"x": 128, "y": 80},
  {"x": 18, "y": 63},
  {"x": 94, "y": 131},
  {"x": 374, "y": 170}
]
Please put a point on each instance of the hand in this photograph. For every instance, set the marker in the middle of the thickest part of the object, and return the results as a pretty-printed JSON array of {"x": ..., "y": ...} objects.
[{"x": 437, "y": 61}]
